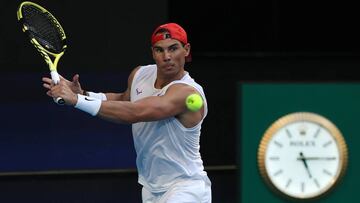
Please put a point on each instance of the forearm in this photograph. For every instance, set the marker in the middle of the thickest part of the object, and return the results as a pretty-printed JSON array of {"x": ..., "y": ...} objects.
[
  {"x": 147, "y": 109},
  {"x": 119, "y": 111},
  {"x": 115, "y": 107},
  {"x": 116, "y": 111},
  {"x": 144, "y": 110}
]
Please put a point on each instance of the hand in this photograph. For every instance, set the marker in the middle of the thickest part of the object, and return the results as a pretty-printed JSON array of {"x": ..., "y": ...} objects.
[
  {"x": 65, "y": 89},
  {"x": 303, "y": 159},
  {"x": 74, "y": 85}
]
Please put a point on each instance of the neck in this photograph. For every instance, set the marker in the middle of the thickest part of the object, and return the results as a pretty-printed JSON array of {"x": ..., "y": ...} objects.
[{"x": 162, "y": 81}]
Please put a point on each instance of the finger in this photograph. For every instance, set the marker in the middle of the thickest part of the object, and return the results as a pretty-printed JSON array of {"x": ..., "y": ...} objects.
[
  {"x": 47, "y": 80},
  {"x": 47, "y": 86},
  {"x": 76, "y": 79},
  {"x": 49, "y": 93}
]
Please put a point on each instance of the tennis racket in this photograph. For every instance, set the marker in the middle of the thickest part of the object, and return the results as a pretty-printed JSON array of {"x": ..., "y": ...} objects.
[{"x": 46, "y": 34}]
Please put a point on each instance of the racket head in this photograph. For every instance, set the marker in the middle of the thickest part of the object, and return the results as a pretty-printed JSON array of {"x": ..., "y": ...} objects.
[{"x": 42, "y": 27}]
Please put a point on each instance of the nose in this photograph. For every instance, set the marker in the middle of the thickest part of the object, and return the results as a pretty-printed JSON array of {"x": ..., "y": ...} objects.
[{"x": 167, "y": 55}]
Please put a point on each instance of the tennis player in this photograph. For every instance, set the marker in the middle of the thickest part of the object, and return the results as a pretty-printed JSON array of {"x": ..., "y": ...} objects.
[{"x": 166, "y": 134}]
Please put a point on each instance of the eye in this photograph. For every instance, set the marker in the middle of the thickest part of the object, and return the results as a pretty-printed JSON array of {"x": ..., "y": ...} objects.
[
  {"x": 158, "y": 49},
  {"x": 173, "y": 48}
]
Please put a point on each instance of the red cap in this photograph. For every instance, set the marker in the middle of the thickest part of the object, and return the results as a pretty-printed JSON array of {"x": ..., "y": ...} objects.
[{"x": 174, "y": 31}]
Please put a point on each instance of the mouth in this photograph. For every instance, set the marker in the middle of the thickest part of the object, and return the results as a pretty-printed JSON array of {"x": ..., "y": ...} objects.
[{"x": 168, "y": 66}]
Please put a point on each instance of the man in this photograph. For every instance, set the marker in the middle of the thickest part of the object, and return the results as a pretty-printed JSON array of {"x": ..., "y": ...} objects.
[{"x": 166, "y": 134}]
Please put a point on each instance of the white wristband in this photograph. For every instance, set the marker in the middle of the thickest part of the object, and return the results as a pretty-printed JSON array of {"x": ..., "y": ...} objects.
[
  {"x": 100, "y": 95},
  {"x": 88, "y": 104}
]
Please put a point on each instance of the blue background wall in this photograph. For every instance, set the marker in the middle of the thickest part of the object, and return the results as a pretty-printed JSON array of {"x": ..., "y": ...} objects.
[{"x": 38, "y": 135}]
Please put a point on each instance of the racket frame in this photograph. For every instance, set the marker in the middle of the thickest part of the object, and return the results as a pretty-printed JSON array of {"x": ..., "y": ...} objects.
[{"x": 43, "y": 51}]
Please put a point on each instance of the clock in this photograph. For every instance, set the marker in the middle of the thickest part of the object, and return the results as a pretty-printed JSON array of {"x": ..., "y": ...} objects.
[{"x": 302, "y": 156}]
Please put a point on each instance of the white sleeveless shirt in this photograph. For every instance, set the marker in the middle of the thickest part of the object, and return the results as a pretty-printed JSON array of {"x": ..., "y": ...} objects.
[{"x": 167, "y": 152}]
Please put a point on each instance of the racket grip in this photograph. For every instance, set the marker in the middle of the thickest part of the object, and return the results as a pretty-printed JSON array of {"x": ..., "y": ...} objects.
[
  {"x": 59, "y": 101},
  {"x": 56, "y": 79}
]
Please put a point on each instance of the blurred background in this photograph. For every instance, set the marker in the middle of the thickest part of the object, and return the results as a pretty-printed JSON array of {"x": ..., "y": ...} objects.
[{"x": 57, "y": 154}]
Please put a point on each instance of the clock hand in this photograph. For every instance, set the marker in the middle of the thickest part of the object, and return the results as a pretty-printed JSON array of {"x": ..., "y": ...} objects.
[
  {"x": 303, "y": 159},
  {"x": 318, "y": 158}
]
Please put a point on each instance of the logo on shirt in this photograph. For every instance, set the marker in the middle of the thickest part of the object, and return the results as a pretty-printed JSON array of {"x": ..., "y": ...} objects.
[{"x": 138, "y": 91}]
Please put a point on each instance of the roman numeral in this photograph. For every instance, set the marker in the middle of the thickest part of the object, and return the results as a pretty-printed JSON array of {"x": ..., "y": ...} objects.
[
  {"x": 274, "y": 158},
  {"x": 317, "y": 133},
  {"x": 278, "y": 144},
  {"x": 327, "y": 172},
  {"x": 302, "y": 187},
  {"x": 288, "y": 183},
  {"x": 278, "y": 172},
  {"x": 288, "y": 133},
  {"x": 316, "y": 182},
  {"x": 327, "y": 143}
]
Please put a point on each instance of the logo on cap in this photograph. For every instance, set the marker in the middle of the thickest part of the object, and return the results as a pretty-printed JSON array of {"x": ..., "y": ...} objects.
[{"x": 167, "y": 35}]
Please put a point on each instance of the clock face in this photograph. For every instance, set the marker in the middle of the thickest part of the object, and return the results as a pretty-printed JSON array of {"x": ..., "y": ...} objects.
[{"x": 302, "y": 155}]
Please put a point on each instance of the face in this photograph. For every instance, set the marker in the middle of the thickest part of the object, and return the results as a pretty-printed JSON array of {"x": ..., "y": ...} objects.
[{"x": 169, "y": 55}]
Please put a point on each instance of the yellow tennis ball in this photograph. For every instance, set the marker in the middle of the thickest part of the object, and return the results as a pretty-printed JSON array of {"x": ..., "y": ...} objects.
[{"x": 194, "y": 102}]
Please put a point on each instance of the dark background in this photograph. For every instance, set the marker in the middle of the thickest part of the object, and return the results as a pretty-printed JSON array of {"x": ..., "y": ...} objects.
[
  {"x": 232, "y": 41},
  {"x": 275, "y": 27}
]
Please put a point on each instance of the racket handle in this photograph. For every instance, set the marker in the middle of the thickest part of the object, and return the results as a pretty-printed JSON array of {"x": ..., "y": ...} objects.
[
  {"x": 56, "y": 79},
  {"x": 59, "y": 101}
]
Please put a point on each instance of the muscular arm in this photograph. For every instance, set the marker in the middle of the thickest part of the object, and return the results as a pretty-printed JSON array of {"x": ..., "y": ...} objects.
[
  {"x": 150, "y": 108},
  {"x": 118, "y": 107}
]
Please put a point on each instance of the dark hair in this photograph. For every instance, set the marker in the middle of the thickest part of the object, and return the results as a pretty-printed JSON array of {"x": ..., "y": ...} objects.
[{"x": 161, "y": 30}]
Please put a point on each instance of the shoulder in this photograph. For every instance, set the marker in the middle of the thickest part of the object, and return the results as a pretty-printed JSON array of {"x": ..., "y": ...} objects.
[
  {"x": 141, "y": 69},
  {"x": 182, "y": 90},
  {"x": 144, "y": 70},
  {"x": 147, "y": 68},
  {"x": 188, "y": 83},
  {"x": 178, "y": 93}
]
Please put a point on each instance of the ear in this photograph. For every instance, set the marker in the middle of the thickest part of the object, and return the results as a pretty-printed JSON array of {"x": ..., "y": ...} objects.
[
  {"x": 152, "y": 52},
  {"x": 187, "y": 48}
]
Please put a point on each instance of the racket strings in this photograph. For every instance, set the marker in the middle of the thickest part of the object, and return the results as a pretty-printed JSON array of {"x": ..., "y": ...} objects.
[{"x": 44, "y": 28}]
